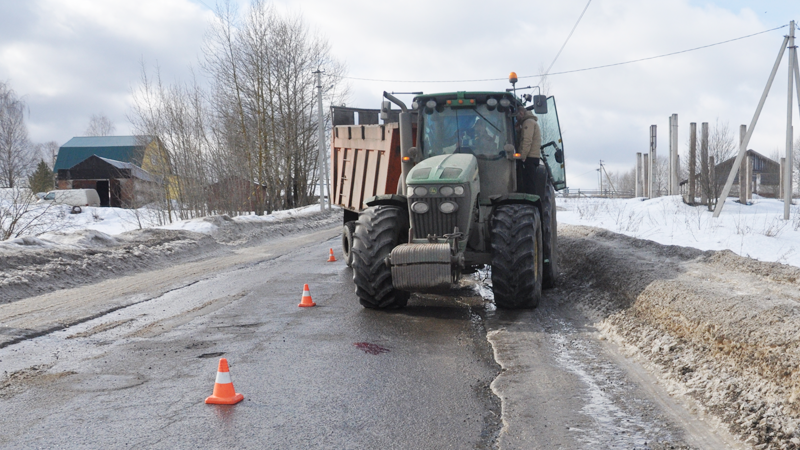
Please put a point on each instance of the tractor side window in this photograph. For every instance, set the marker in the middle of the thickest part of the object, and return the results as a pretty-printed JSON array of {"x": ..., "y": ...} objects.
[{"x": 553, "y": 147}]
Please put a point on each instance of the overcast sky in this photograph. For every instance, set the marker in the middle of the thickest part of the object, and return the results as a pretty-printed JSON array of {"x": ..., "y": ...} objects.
[{"x": 71, "y": 59}]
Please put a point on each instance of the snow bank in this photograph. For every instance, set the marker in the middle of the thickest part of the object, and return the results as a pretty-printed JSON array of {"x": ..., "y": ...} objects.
[{"x": 757, "y": 231}]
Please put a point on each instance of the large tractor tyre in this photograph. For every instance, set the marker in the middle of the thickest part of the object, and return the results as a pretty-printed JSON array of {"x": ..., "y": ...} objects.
[
  {"x": 347, "y": 242},
  {"x": 549, "y": 237},
  {"x": 517, "y": 258},
  {"x": 379, "y": 229}
]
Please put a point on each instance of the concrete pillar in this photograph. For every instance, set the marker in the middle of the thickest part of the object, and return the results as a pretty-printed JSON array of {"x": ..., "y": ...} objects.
[
  {"x": 692, "y": 160},
  {"x": 704, "y": 180},
  {"x": 742, "y": 168},
  {"x": 646, "y": 175},
  {"x": 783, "y": 173},
  {"x": 653, "y": 162},
  {"x": 675, "y": 164},
  {"x": 712, "y": 175},
  {"x": 637, "y": 190},
  {"x": 749, "y": 177}
]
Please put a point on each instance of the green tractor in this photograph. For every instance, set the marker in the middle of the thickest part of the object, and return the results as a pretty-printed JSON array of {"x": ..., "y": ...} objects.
[{"x": 458, "y": 207}]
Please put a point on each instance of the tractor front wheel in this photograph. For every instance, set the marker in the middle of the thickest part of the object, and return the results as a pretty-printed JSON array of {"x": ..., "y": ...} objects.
[
  {"x": 379, "y": 230},
  {"x": 517, "y": 260}
]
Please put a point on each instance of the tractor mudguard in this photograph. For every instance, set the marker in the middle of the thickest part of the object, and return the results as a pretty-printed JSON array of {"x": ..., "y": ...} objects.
[
  {"x": 388, "y": 199},
  {"x": 515, "y": 198}
]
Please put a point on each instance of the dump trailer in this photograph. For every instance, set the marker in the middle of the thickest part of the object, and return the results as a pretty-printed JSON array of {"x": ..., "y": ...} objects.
[
  {"x": 431, "y": 194},
  {"x": 365, "y": 163}
]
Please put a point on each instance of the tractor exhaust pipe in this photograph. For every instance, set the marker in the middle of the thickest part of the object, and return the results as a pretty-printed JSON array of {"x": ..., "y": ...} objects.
[{"x": 405, "y": 140}]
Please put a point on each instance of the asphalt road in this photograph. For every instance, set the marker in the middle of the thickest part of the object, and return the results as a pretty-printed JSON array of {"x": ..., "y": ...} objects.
[
  {"x": 332, "y": 376},
  {"x": 127, "y": 364}
]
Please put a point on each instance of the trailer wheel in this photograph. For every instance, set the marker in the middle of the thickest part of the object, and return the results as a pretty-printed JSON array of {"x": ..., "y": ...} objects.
[
  {"x": 517, "y": 256},
  {"x": 347, "y": 242},
  {"x": 379, "y": 229},
  {"x": 549, "y": 236},
  {"x": 76, "y": 210}
]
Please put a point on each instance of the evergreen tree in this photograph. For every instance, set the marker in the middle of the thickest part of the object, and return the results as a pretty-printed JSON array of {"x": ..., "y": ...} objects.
[{"x": 42, "y": 179}]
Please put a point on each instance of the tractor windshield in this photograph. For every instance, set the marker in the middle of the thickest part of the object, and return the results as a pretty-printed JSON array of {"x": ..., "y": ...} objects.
[{"x": 478, "y": 131}]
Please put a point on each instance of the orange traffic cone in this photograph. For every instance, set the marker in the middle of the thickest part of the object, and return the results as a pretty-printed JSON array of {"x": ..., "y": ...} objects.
[
  {"x": 331, "y": 258},
  {"x": 224, "y": 394},
  {"x": 306, "y": 300}
]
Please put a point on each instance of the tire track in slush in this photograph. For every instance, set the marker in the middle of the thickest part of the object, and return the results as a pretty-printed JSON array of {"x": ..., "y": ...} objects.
[{"x": 614, "y": 428}]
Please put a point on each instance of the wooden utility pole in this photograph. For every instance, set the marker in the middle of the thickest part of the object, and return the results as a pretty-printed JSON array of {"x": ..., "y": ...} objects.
[
  {"x": 692, "y": 160},
  {"x": 600, "y": 175},
  {"x": 704, "y": 178}
]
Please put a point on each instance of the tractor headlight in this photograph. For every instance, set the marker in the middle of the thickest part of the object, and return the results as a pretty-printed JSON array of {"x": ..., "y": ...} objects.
[
  {"x": 420, "y": 207},
  {"x": 448, "y": 207},
  {"x": 409, "y": 191},
  {"x": 446, "y": 191},
  {"x": 420, "y": 191},
  {"x": 459, "y": 190}
]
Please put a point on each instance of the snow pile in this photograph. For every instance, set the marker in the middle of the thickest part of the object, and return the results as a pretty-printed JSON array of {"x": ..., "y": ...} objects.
[
  {"x": 715, "y": 327},
  {"x": 106, "y": 242},
  {"x": 757, "y": 230}
]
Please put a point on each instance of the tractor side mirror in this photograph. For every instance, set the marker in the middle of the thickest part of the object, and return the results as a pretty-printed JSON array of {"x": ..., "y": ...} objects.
[
  {"x": 415, "y": 155},
  {"x": 540, "y": 104}
]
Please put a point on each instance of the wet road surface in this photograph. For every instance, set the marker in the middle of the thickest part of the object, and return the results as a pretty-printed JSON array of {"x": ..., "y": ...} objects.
[{"x": 332, "y": 376}]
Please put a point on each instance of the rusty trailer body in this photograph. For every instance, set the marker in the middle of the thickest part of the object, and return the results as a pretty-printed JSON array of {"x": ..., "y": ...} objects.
[{"x": 365, "y": 163}]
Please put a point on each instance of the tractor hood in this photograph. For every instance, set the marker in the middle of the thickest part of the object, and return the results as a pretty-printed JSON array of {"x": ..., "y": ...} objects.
[{"x": 445, "y": 169}]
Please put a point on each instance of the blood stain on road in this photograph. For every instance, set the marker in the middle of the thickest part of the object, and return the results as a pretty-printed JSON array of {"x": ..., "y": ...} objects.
[{"x": 372, "y": 349}]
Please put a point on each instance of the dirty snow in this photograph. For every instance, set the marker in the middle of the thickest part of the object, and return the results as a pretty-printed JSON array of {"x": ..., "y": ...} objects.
[
  {"x": 100, "y": 242},
  {"x": 720, "y": 331},
  {"x": 756, "y": 230}
]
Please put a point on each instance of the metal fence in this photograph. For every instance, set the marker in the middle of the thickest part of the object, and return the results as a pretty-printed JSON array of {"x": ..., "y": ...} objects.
[{"x": 596, "y": 193}]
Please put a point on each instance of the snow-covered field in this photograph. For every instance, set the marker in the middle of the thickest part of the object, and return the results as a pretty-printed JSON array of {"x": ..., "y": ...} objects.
[{"x": 757, "y": 230}]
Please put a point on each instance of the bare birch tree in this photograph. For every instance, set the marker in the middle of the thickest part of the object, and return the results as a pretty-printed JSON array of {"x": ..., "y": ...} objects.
[
  {"x": 249, "y": 142},
  {"x": 16, "y": 159},
  {"x": 100, "y": 125},
  {"x": 262, "y": 67}
]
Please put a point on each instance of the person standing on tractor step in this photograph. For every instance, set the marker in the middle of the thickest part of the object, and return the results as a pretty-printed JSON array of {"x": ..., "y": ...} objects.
[{"x": 530, "y": 143}]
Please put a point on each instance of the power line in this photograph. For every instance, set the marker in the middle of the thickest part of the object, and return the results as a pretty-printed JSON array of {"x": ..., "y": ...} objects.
[
  {"x": 567, "y": 40},
  {"x": 660, "y": 56},
  {"x": 571, "y": 71}
]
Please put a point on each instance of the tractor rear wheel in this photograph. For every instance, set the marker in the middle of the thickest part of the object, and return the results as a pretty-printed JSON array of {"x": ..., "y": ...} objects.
[
  {"x": 549, "y": 236},
  {"x": 379, "y": 230},
  {"x": 516, "y": 256},
  {"x": 347, "y": 242}
]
